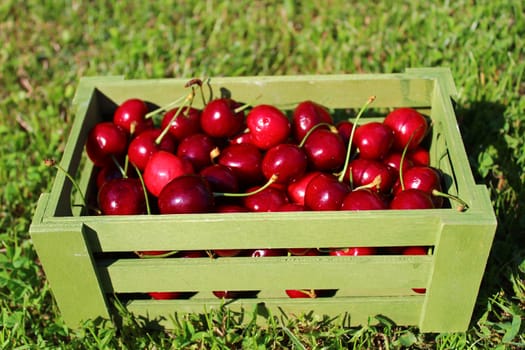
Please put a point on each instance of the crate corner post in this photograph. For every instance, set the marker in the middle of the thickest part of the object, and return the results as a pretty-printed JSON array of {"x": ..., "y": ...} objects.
[{"x": 69, "y": 268}]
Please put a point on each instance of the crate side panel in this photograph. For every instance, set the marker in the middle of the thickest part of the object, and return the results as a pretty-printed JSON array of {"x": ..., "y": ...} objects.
[
  {"x": 263, "y": 230},
  {"x": 204, "y": 274},
  {"x": 333, "y": 91},
  {"x": 349, "y": 311}
]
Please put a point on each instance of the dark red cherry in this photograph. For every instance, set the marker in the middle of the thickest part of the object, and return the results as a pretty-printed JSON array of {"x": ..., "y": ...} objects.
[
  {"x": 291, "y": 207},
  {"x": 130, "y": 116},
  {"x": 245, "y": 161},
  {"x": 412, "y": 199},
  {"x": 285, "y": 160},
  {"x": 325, "y": 192},
  {"x": 297, "y": 188},
  {"x": 219, "y": 118},
  {"x": 408, "y": 125},
  {"x": 325, "y": 150},
  {"x": 221, "y": 178},
  {"x": 197, "y": 148},
  {"x": 268, "y": 126},
  {"x": 186, "y": 194},
  {"x": 124, "y": 196},
  {"x": 306, "y": 115},
  {"x": 142, "y": 147},
  {"x": 104, "y": 141},
  {"x": 344, "y": 128},
  {"x": 373, "y": 139},
  {"x": 393, "y": 161},
  {"x": 185, "y": 124},
  {"x": 363, "y": 199}
]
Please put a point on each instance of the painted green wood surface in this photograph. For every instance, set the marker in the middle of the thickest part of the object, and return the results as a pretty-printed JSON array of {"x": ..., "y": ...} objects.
[
  {"x": 351, "y": 311},
  {"x": 70, "y": 270},
  {"x": 69, "y": 246},
  {"x": 205, "y": 274}
]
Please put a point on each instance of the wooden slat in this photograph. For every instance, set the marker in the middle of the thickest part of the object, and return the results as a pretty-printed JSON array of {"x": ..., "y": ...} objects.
[
  {"x": 359, "y": 274},
  {"x": 350, "y": 311}
]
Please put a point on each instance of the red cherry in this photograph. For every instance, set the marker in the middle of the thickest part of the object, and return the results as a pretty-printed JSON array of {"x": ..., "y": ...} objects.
[
  {"x": 109, "y": 172},
  {"x": 363, "y": 199},
  {"x": 291, "y": 207},
  {"x": 365, "y": 172},
  {"x": 285, "y": 160},
  {"x": 422, "y": 178},
  {"x": 262, "y": 253},
  {"x": 130, "y": 114},
  {"x": 142, "y": 147},
  {"x": 267, "y": 200},
  {"x": 219, "y": 119},
  {"x": 373, "y": 140},
  {"x": 163, "y": 167},
  {"x": 325, "y": 192},
  {"x": 197, "y": 148},
  {"x": 393, "y": 161},
  {"x": 124, "y": 196},
  {"x": 353, "y": 251},
  {"x": 244, "y": 137},
  {"x": 344, "y": 128},
  {"x": 268, "y": 126},
  {"x": 325, "y": 150},
  {"x": 185, "y": 124},
  {"x": 245, "y": 161},
  {"x": 186, "y": 194},
  {"x": 419, "y": 156},
  {"x": 412, "y": 199},
  {"x": 106, "y": 140},
  {"x": 297, "y": 188},
  {"x": 306, "y": 115},
  {"x": 408, "y": 125}
]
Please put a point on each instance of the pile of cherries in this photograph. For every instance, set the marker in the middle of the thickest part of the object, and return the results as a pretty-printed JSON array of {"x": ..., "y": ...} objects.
[{"x": 231, "y": 157}]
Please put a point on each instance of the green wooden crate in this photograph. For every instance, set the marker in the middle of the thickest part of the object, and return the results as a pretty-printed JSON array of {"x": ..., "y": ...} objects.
[{"x": 80, "y": 254}]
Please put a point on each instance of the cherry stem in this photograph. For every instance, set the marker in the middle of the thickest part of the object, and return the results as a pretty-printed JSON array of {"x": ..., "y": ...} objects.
[
  {"x": 164, "y": 108},
  {"x": 187, "y": 101},
  {"x": 146, "y": 199},
  {"x": 270, "y": 181},
  {"x": 375, "y": 183},
  {"x": 351, "y": 138},
  {"x": 315, "y": 127},
  {"x": 246, "y": 105},
  {"x": 120, "y": 169},
  {"x": 145, "y": 255},
  {"x": 52, "y": 162},
  {"x": 462, "y": 204}
]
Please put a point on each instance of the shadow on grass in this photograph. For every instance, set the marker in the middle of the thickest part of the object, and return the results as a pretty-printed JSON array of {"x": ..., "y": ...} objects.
[{"x": 492, "y": 159}]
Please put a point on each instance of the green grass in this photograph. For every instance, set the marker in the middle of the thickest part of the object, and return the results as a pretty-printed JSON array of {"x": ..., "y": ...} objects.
[{"x": 47, "y": 46}]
